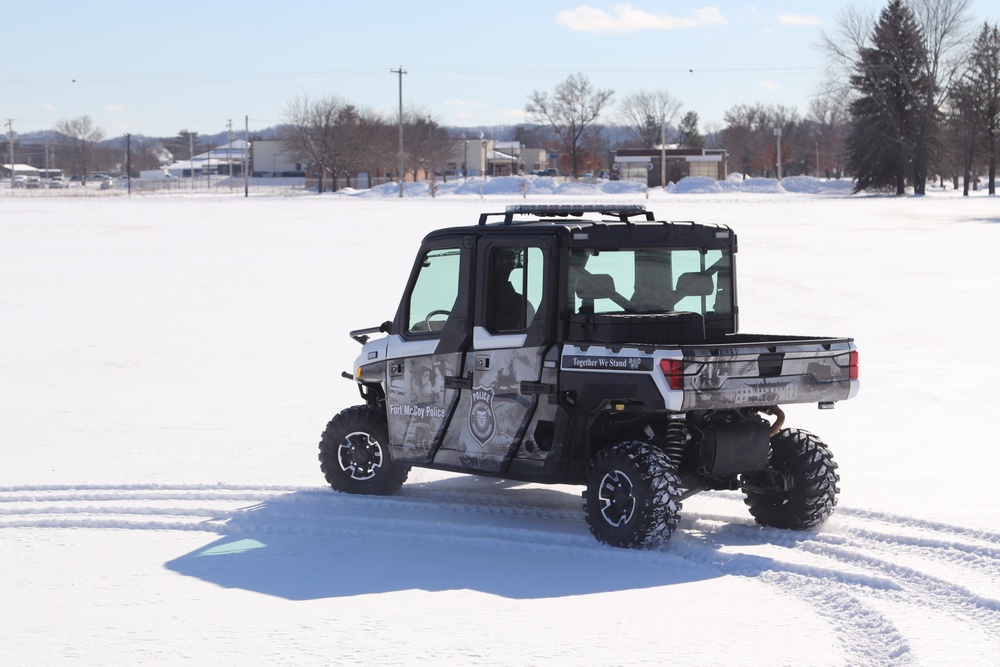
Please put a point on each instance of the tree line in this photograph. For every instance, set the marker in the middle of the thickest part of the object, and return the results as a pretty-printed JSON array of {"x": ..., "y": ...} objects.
[
  {"x": 912, "y": 94},
  {"x": 923, "y": 91}
]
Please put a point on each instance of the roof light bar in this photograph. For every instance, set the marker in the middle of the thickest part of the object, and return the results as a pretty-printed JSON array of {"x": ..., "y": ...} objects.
[
  {"x": 622, "y": 211},
  {"x": 576, "y": 209}
]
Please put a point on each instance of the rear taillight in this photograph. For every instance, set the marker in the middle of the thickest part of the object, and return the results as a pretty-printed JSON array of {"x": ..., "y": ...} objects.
[
  {"x": 853, "y": 365},
  {"x": 673, "y": 370}
]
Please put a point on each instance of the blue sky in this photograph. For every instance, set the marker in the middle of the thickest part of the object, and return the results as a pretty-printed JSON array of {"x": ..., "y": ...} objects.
[{"x": 157, "y": 68}]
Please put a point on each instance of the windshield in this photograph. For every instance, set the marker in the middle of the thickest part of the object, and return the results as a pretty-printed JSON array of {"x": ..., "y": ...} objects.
[{"x": 651, "y": 280}]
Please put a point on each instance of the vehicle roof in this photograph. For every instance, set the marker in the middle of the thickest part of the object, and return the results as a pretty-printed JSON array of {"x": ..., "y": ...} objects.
[{"x": 567, "y": 223}]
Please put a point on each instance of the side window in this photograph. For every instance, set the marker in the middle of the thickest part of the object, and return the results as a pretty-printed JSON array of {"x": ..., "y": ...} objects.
[
  {"x": 435, "y": 290},
  {"x": 515, "y": 287}
]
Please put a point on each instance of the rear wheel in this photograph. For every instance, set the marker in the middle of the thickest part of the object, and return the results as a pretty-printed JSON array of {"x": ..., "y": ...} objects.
[
  {"x": 632, "y": 496},
  {"x": 798, "y": 488},
  {"x": 354, "y": 453}
]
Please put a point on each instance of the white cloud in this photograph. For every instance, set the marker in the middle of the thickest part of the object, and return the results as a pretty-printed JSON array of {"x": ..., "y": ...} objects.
[
  {"x": 114, "y": 107},
  {"x": 626, "y": 18},
  {"x": 770, "y": 85},
  {"x": 515, "y": 113},
  {"x": 464, "y": 103},
  {"x": 797, "y": 19},
  {"x": 48, "y": 106}
]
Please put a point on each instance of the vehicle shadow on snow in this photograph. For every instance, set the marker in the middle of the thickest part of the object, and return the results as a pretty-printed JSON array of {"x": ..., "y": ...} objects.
[{"x": 465, "y": 533}]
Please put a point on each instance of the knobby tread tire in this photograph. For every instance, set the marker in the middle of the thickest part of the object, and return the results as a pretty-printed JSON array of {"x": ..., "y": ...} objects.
[
  {"x": 814, "y": 483},
  {"x": 656, "y": 490},
  {"x": 386, "y": 479}
]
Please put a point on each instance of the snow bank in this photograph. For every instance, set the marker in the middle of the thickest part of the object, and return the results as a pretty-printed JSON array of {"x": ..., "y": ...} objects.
[
  {"x": 546, "y": 185},
  {"x": 817, "y": 186},
  {"x": 503, "y": 185},
  {"x": 698, "y": 185}
]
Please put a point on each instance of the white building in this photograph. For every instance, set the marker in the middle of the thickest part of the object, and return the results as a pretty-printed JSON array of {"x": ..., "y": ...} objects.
[
  {"x": 269, "y": 159},
  {"x": 225, "y": 159}
]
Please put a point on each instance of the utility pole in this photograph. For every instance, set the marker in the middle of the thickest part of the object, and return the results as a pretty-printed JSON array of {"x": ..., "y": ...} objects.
[
  {"x": 128, "y": 162},
  {"x": 400, "y": 72},
  {"x": 229, "y": 154},
  {"x": 663, "y": 152},
  {"x": 246, "y": 156},
  {"x": 10, "y": 144},
  {"x": 777, "y": 134},
  {"x": 191, "y": 157}
]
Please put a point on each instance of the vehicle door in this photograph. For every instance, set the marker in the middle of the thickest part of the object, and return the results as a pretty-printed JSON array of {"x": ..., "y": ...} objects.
[
  {"x": 426, "y": 350},
  {"x": 511, "y": 335}
]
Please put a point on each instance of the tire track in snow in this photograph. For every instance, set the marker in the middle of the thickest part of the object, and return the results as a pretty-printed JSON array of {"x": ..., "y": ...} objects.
[
  {"x": 277, "y": 510},
  {"x": 863, "y": 557},
  {"x": 842, "y": 572},
  {"x": 866, "y": 635}
]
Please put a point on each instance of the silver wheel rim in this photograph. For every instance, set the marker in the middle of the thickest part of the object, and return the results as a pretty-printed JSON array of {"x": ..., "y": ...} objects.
[
  {"x": 360, "y": 455},
  {"x": 616, "y": 498}
]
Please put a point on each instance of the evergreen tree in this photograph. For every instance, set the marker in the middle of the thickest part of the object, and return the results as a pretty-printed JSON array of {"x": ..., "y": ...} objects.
[
  {"x": 688, "y": 130},
  {"x": 892, "y": 85},
  {"x": 984, "y": 84}
]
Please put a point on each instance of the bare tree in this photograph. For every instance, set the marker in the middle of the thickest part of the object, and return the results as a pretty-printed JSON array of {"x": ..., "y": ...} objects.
[
  {"x": 830, "y": 123},
  {"x": 310, "y": 131},
  {"x": 360, "y": 141},
  {"x": 646, "y": 115},
  {"x": 80, "y": 137},
  {"x": 750, "y": 139},
  {"x": 852, "y": 33},
  {"x": 570, "y": 109},
  {"x": 964, "y": 129},
  {"x": 944, "y": 25},
  {"x": 427, "y": 144}
]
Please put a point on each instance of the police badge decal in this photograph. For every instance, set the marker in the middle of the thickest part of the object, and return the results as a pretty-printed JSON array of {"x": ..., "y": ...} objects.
[{"x": 482, "y": 420}]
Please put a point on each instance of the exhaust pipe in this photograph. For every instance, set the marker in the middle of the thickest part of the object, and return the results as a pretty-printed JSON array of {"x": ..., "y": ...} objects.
[{"x": 779, "y": 419}]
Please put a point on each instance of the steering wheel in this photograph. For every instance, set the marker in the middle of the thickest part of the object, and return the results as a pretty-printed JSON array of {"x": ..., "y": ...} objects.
[{"x": 427, "y": 320}]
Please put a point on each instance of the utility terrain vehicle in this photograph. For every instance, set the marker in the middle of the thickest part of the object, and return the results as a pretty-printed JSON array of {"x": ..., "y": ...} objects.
[{"x": 591, "y": 345}]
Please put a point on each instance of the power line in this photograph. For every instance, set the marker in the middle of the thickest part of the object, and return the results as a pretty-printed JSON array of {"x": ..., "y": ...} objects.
[{"x": 187, "y": 78}]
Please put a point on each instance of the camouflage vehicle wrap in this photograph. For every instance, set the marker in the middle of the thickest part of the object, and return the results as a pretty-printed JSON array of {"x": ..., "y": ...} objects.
[{"x": 598, "y": 351}]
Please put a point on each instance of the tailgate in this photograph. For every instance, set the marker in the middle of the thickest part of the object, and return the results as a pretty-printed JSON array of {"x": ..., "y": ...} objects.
[{"x": 782, "y": 372}]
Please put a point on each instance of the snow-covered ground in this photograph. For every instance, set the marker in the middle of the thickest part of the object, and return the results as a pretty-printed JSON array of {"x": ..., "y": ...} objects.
[{"x": 168, "y": 362}]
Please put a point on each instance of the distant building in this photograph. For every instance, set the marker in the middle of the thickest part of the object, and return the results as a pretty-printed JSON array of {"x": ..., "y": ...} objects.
[
  {"x": 270, "y": 159},
  {"x": 18, "y": 170},
  {"x": 225, "y": 160},
  {"x": 644, "y": 165}
]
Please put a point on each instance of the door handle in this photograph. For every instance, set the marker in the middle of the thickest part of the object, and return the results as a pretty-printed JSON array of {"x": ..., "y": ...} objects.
[{"x": 458, "y": 382}]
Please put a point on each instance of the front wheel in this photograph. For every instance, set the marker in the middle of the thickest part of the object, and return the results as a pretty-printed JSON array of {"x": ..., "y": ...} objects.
[
  {"x": 354, "y": 453},
  {"x": 632, "y": 496},
  {"x": 798, "y": 488}
]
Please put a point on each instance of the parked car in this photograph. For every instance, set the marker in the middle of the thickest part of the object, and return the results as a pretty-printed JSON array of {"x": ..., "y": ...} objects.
[
  {"x": 32, "y": 182},
  {"x": 18, "y": 181},
  {"x": 58, "y": 182}
]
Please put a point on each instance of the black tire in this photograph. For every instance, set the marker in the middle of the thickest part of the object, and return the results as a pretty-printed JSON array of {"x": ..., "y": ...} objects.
[
  {"x": 798, "y": 489},
  {"x": 354, "y": 453},
  {"x": 633, "y": 496}
]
